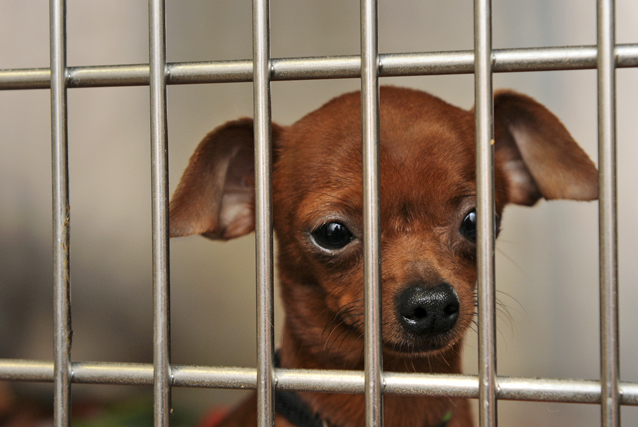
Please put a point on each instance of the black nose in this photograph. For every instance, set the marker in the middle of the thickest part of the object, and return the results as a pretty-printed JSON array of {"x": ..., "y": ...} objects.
[{"x": 428, "y": 311}]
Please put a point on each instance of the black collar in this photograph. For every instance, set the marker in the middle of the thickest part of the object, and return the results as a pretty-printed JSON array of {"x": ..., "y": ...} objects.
[
  {"x": 295, "y": 410},
  {"x": 290, "y": 406}
]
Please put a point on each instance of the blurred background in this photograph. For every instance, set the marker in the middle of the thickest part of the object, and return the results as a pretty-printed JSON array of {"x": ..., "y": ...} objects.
[{"x": 547, "y": 260}]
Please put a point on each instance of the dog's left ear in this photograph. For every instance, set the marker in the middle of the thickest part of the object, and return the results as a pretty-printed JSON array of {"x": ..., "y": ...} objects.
[{"x": 541, "y": 157}]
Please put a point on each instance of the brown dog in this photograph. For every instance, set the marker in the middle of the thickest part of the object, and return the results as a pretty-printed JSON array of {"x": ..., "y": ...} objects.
[{"x": 428, "y": 199}]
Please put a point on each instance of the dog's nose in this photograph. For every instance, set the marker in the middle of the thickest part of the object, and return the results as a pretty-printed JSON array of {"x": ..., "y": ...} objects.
[{"x": 428, "y": 311}]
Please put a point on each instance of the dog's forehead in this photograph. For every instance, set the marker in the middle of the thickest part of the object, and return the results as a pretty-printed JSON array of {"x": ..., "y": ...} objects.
[{"x": 422, "y": 139}]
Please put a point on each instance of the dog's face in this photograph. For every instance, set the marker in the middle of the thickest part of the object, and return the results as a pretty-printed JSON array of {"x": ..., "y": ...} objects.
[{"x": 427, "y": 198}]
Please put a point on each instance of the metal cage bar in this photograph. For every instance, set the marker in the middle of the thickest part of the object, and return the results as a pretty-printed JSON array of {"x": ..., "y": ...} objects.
[
  {"x": 263, "y": 215},
  {"x": 373, "y": 362},
  {"x": 609, "y": 353},
  {"x": 510, "y": 388},
  {"x": 485, "y": 212},
  {"x": 333, "y": 67},
  {"x": 159, "y": 185},
  {"x": 61, "y": 217}
]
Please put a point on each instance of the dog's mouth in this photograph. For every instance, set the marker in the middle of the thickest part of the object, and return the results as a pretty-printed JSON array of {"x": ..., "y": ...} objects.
[
  {"x": 419, "y": 345},
  {"x": 347, "y": 331}
]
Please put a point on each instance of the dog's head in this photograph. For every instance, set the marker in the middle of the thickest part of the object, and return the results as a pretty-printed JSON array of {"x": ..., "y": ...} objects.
[{"x": 428, "y": 200}]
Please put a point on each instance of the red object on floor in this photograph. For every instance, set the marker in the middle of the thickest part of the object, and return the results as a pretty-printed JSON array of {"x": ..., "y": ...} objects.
[{"x": 213, "y": 417}]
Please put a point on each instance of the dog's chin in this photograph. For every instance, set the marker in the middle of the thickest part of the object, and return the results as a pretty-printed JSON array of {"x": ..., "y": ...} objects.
[{"x": 420, "y": 346}]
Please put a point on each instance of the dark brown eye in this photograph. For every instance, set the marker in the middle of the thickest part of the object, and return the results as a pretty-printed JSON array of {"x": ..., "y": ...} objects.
[
  {"x": 468, "y": 226},
  {"x": 332, "y": 235}
]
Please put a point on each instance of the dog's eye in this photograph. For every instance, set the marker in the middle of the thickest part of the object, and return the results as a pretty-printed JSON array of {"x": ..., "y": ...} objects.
[
  {"x": 332, "y": 235},
  {"x": 468, "y": 225}
]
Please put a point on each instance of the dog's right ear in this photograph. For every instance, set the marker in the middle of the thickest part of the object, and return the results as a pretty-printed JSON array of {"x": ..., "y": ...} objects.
[{"x": 216, "y": 194}]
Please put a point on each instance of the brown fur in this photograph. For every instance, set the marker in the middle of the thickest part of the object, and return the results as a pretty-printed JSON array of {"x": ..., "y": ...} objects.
[{"x": 427, "y": 173}]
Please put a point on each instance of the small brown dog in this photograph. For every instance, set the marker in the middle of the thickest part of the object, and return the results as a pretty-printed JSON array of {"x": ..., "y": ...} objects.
[{"x": 428, "y": 199}]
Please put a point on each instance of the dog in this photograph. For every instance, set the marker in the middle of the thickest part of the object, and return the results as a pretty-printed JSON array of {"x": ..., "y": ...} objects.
[{"x": 428, "y": 233}]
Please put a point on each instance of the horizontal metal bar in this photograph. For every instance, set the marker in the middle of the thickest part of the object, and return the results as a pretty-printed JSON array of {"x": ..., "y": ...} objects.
[
  {"x": 26, "y": 370},
  {"x": 214, "y": 377},
  {"x": 334, "y": 67},
  {"x": 510, "y": 388},
  {"x": 112, "y": 373}
]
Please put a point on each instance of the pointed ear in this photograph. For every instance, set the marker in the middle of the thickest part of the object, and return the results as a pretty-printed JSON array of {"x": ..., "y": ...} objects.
[
  {"x": 541, "y": 157},
  {"x": 216, "y": 194}
]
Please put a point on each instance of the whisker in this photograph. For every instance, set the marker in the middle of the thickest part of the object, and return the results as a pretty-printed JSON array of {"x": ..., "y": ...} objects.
[
  {"x": 333, "y": 328},
  {"x": 510, "y": 259},
  {"x": 524, "y": 312},
  {"x": 349, "y": 330},
  {"x": 345, "y": 310},
  {"x": 442, "y": 356},
  {"x": 353, "y": 343}
]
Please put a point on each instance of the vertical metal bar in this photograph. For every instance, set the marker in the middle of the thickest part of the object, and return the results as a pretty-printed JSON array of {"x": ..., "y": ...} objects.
[
  {"x": 263, "y": 214},
  {"x": 485, "y": 211},
  {"x": 609, "y": 356},
  {"x": 159, "y": 184},
  {"x": 61, "y": 217},
  {"x": 371, "y": 215}
]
